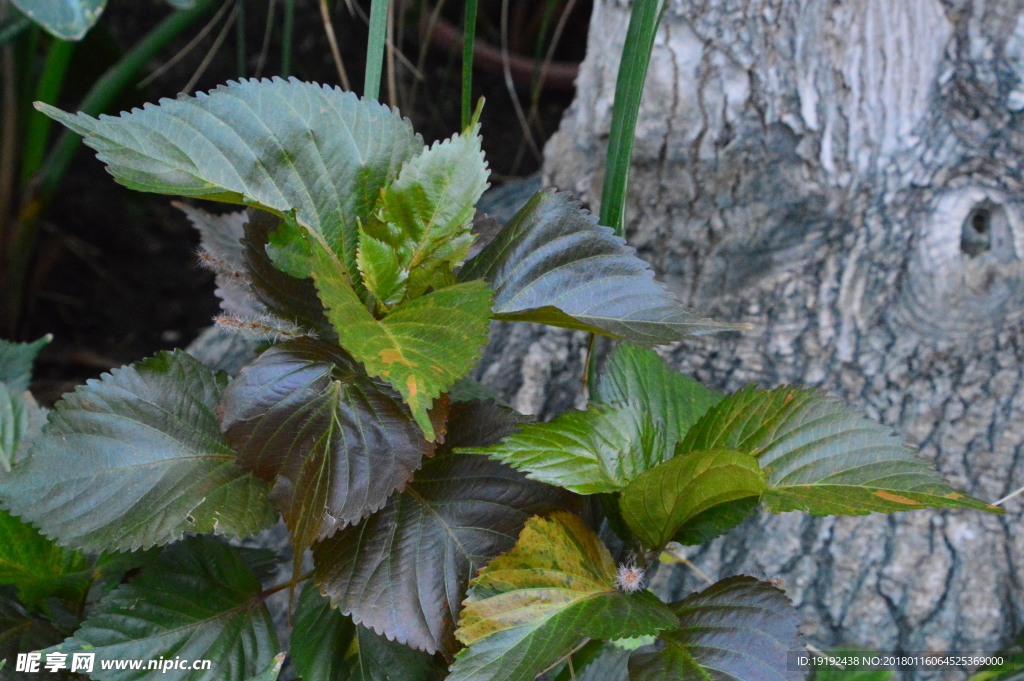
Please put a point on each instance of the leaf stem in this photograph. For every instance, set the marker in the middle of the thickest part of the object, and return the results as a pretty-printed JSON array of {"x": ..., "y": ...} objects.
[
  {"x": 281, "y": 587},
  {"x": 468, "y": 43},
  {"x": 572, "y": 652}
]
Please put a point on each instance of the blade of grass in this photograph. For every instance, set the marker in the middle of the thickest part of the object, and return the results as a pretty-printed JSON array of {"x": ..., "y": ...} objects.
[
  {"x": 12, "y": 29},
  {"x": 58, "y": 56},
  {"x": 629, "y": 88},
  {"x": 375, "y": 48},
  {"x": 468, "y": 42},
  {"x": 286, "y": 39}
]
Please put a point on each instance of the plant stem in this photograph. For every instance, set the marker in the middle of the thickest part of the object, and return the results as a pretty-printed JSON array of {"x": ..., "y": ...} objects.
[
  {"x": 468, "y": 42},
  {"x": 629, "y": 88},
  {"x": 286, "y": 39},
  {"x": 375, "y": 48},
  {"x": 287, "y": 585},
  {"x": 50, "y": 82}
]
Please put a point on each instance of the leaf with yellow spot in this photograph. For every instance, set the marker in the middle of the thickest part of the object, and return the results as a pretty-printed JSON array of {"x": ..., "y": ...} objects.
[
  {"x": 529, "y": 607},
  {"x": 821, "y": 456},
  {"x": 421, "y": 348}
]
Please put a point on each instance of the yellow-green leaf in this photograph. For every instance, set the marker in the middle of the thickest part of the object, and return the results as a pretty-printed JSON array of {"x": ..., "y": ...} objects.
[
  {"x": 692, "y": 498},
  {"x": 529, "y": 607},
  {"x": 421, "y": 348}
]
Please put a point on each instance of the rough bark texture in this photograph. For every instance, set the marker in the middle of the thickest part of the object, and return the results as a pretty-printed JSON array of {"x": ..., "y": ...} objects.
[{"x": 847, "y": 177}]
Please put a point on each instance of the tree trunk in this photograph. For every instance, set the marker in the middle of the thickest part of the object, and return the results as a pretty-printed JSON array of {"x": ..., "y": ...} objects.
[{"x": 847, "y": 176}]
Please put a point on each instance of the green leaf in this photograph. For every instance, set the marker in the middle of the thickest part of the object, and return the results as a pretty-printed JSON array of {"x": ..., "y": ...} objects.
[
  {"x": 21, "y": 420},
  {"x": 691, "y": 494},
  {"x": 529, "y": 607},
  {"x": 342, "y": 651},
  {"x": 22, "y": 632},
  {"x": 273, "y": 669},
  {"x": 609, "y": 663},
  {"x": 425, "y": 215},
  {"x": 675, "y": 402},
  {"x": 599, "y": 450},
  {"x": 64, "y": 19},
  {"x": 135, "y": 459},
  {"x": 553, "y": 264},
  {"x": 199, "y": 601},
  {"x": 738, "y": 629},
  {"x": 459, "y": 512},
  {"x": 279, "y": 145},
  {"x": 821, "y": 456},
  {"x": 421, "y": 348},
  {"x": 37, "y": 567},
  {"x": 16, "y": 362},
  {"x": 334, "y": 442},
  {"x": 320, "y": 657}
]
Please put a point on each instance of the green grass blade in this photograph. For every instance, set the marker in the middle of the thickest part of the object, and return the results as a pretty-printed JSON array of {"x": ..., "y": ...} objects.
[
  {"x": 286, "y": 39},
  {"x": 48, "y": 89},
  {"x": 375, "y": 48},
  {"x": 469, "y": 39},
  {"x": 629, "y": 87}
]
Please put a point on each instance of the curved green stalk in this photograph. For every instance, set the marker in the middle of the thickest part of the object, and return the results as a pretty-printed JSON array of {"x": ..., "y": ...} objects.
[
  {"x": 286, "y": 38},
  {"x": 50, "y": 82},
  {"x": 629, "y": 88},
  {"x": 375, "y": 48},
  {"x": 468, "y": 42}
]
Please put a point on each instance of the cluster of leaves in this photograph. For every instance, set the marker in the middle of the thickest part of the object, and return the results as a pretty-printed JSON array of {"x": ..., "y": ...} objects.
[{"x": 449, "y": 535}]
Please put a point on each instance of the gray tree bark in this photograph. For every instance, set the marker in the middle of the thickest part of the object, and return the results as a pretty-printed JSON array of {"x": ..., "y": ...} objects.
[{"x": 846, "y": 176}]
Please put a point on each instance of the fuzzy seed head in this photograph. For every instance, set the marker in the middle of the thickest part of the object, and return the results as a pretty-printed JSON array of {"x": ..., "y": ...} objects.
[
  {"x": 211, "y": 261},
  {"x": 260, "y": 327},
  {"x": 629, "y": 578}
]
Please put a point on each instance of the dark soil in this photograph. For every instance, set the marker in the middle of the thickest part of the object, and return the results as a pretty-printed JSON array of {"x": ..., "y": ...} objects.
[{"x": 116, "y": 277}]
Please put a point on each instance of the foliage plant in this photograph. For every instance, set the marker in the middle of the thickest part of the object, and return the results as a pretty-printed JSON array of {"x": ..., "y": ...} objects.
[{"x": 450, "y": 536}]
